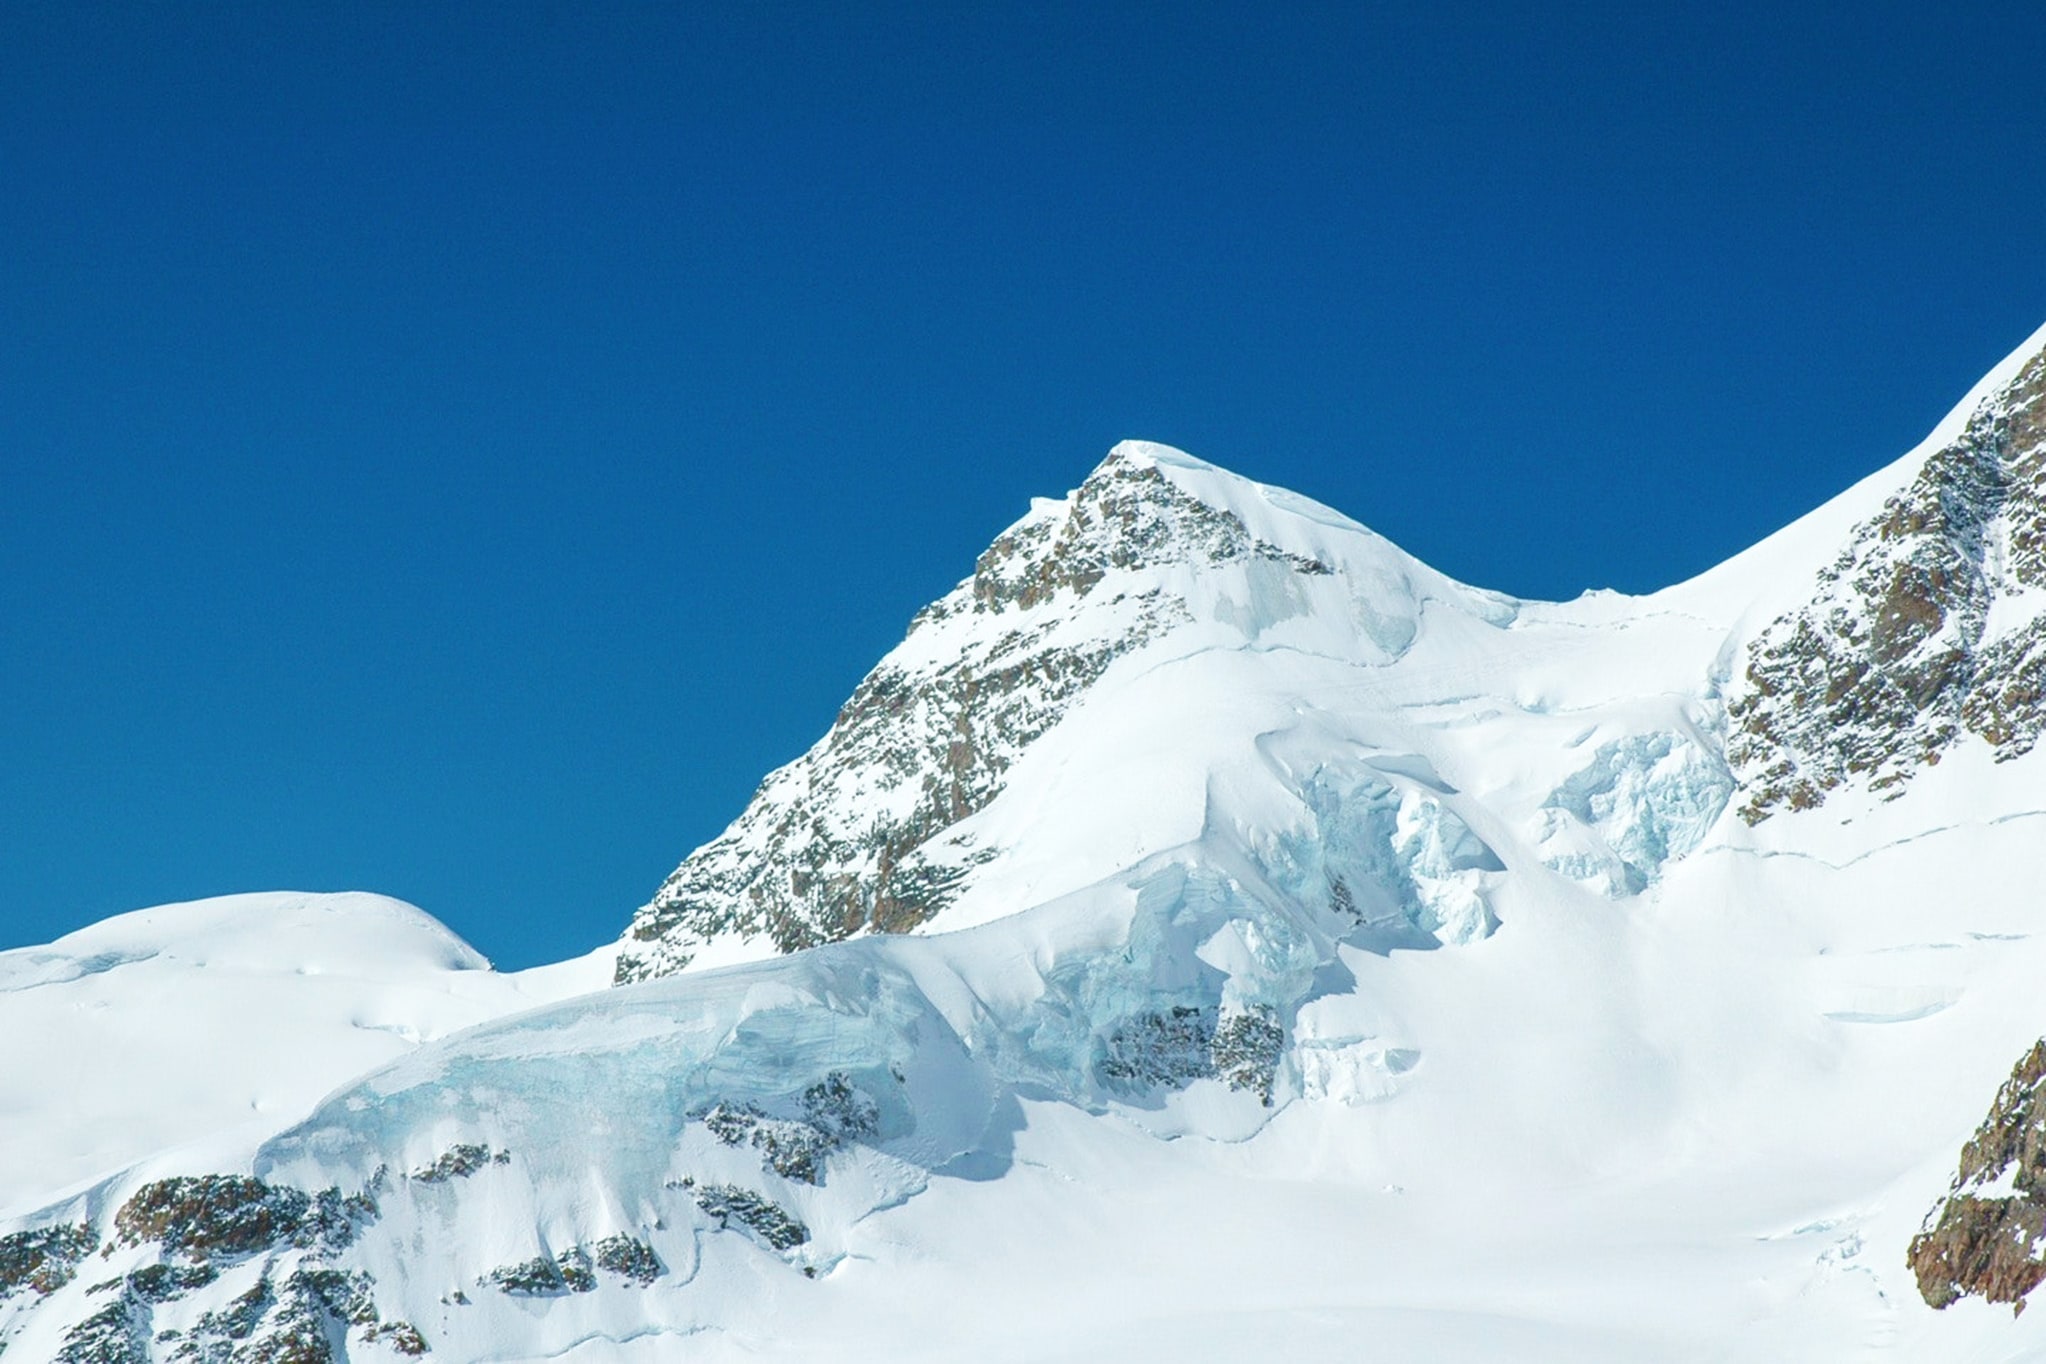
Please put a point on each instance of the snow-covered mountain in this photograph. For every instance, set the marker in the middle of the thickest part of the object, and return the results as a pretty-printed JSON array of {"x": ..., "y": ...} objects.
[{"x": 1210, "y": 930}]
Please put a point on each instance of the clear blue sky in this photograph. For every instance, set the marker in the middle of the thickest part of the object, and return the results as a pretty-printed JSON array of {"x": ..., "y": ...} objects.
[{"x": 456, "y": 450}]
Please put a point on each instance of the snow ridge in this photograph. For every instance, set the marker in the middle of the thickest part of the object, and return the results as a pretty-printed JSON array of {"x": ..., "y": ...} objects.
[
  {"x": 853, "y": 836},
  {"x": 1202, "y": 886}
]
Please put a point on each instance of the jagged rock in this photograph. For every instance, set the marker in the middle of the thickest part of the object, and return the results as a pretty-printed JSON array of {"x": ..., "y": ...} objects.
[
  {"x": 849, "y": 837},
  {"x": 729, "y": 1203},
  {"x": 45, "y": 1258},
  {"x": 401, "y": 1336},
  {"x": 212, "y": 1215},
  {"x": 834, "y": 1112},
  {"x": 1891, "y": 662},
  {"x": 629, "y": 1258},
  {"x": 794, "y": 1150},
  {"x": 837, "y": 1106},
  {"x": 167, "y": 1283},
  {"x": 1246, "y": 1051},
  {"x": 116, "y": 1334},
  {"x": 1170, "y": 1048},
  {"x": 1987, "y": 1238},
  {"x": 546, "y": 1275},
  {"x": 238, "y": 1320},
  {"x": 340, "y": 1294},
  {"x": 459, "y": 1162},
  {"x": 307, "y": 1322},
  {"x": 208, "y": 1215},
  {"x": 574, "y": 1270},
  {"x": 537, "y": 1277}
]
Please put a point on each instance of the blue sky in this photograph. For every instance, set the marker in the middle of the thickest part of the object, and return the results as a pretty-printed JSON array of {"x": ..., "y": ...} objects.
[{"x": 456, "y": 450}]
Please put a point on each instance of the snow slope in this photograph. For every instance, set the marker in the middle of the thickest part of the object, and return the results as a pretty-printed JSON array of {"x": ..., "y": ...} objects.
[
  {"x": 1211, "y": 931},
  {"x": 152, "y": 1029}
]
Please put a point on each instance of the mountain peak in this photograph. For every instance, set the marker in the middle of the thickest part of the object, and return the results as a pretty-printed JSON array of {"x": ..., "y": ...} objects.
[
  {"x": 1144, "y": 507},
  {"x": 861, "y": 834},
  {"x": 1195, "y": 807},
  {"x": 1150, "y": 454}
]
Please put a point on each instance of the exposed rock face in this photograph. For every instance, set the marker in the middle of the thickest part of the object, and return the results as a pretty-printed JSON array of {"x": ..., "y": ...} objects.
[
  {"x": 850, "y": 837},
  {"x": 233, "y": 1215},
  {"x": 459, "y": 1162},
  {"x": 629, "y": 1258},
  {"x": 545, "y": 1275},
  {"x": 299, "y": 1310},
  {"x": 1925, "y": 629},
  {"x": 1173, "y": 1048},
  {"x": 116, "y": 1334},
  {"x": 1988, "y": 1236},
  {"x": 303, "y": 1307},
  {"x": 834, "y": 1113},
  {"x": 43, "y": 1259},
  {"x": 728, "y": 1203}
]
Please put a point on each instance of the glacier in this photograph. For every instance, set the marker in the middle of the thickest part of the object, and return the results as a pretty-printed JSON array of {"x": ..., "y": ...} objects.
[{"x": 1210, "y": 930}]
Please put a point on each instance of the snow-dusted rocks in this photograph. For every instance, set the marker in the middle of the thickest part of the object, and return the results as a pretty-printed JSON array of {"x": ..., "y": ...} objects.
[
  {"x": 1930, "y": 625},
  {"x": 1987, "y": 1237},
  {"x": 1209, "y": 928},
  {"x": 1155, "y": 555}
]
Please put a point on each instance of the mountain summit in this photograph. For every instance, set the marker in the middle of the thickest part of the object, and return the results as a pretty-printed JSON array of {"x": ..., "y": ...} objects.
[
  {"x": 1922, "y": 622},
  {"x": 1209, "y": 930},
  {"x": 1155, "y": 555}
]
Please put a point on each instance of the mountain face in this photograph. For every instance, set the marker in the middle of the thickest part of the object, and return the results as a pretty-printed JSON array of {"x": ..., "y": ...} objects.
[
  {"x": 853, "y": 836},
  {"x": 1211, "y": 930},
  {"x": 1984, "y": 1237},
  {"x": 1930, "y": 625},
  {"x": 1927, "y": 624}
]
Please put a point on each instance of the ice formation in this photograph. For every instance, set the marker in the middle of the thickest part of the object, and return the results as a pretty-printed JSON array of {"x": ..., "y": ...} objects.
[{"x": 1211, "y": 930}]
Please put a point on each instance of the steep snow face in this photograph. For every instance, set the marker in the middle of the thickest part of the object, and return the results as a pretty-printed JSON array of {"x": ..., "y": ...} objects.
[
  {"x": 173, "y": 1024},
  {"x": 1155, "y": 555}
]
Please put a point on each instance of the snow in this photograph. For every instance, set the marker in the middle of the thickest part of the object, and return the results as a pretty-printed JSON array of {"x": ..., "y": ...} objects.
[
  {"x": 168, "y": 1025},
  {"x": 1576, "y": 1064}
]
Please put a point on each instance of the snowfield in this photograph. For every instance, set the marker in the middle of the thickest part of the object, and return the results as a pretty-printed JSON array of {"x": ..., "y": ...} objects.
[
  {"x": 1221, "y": 934},
  {"x": 235, "y": 1015}
]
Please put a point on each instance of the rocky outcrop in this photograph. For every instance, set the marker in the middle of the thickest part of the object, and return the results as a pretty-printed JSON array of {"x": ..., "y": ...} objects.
[
  {"x": 629, "y": 1258},
  {"x": 1901, "y": 653},
  {"x": 1171, "y": 1048},
  {"x": 233, "y": 1215},
  {"x": 774, "y": 1225},
  {"x": 834, "y": 1113},
  {"x": 115, "y": 1334},
  {"x": 1987, "y": 1237},
  {"x": 575, "y": 1270},
  {"x": 850, "y": 838},
  {"x": 459, "y": 1162},
  {"x": 545, "y": 1275},
  {"x": 299, "y": 1310},
  {"x": 43, "y": 1259}
]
